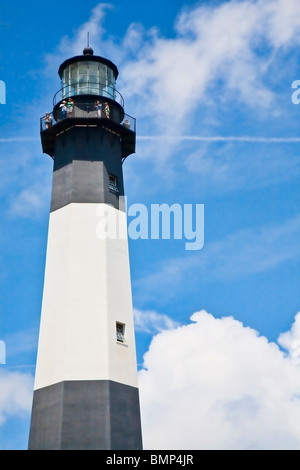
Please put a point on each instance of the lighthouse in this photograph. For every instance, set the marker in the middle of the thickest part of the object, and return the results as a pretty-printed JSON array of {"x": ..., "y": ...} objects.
[{"x": 86, "y": 393}]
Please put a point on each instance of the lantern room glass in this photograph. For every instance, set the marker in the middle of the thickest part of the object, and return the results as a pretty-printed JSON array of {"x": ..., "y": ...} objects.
[{"x": 88, "y": 78}]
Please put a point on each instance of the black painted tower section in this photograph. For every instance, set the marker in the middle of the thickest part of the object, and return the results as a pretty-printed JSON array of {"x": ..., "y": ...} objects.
[
  {"x": 84, "y": 159},
  {"x": 107, "y": 418},
  {"x": 86, "y": 150}
]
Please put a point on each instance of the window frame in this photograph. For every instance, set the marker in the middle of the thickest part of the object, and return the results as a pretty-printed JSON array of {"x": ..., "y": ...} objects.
[
  {"x": 113, "y": 185},
  {"x": 120, "y": 332}
]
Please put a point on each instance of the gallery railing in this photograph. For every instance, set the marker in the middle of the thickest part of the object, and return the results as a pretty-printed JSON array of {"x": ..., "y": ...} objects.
[{"x": 87, "y": 111}]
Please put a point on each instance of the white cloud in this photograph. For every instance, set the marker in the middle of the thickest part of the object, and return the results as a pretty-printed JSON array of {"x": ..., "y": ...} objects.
[
  {"x": 222, "y": 59},
  {"x": 215, "y": 384},
  {"x": 290, "y": 341},
  {"x": 152, "y": 322},
  {"x": 217, "y": 50},
  {"x": 15, "y": 394},
  {"x": 282, "y": 22}
]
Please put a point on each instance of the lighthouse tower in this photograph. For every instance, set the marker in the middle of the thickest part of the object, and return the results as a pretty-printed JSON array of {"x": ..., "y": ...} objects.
[{"x": 86, "y": 391}]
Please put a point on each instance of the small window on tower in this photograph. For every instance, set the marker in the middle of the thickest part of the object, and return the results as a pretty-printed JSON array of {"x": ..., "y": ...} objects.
[
  {"x": 120, "y": 330},
  {"x": 113, "y": 184}
]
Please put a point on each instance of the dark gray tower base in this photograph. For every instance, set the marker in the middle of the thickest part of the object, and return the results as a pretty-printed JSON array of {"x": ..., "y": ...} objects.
[{"x": 108, "y": 417}]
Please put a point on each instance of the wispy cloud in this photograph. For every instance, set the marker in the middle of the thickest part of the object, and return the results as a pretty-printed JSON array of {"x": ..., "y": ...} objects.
[
  {"x": 151, "y": 322},
  {"x": 213, "y": 75},
  {"x": 18, "y": 139},
  {"x": 226, "y": 42},
  {"x": 238, "y": 255},
  {"x": 31, "y": 201},
  {"x": 22, "y": 342},
  {"x": 15, "y": 394}
]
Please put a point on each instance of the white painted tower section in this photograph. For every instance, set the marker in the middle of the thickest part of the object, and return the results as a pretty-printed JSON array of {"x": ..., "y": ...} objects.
[{"x": 87, "y": 291}]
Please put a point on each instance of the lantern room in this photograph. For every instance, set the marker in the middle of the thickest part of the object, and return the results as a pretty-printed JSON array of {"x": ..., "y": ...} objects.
[
  {"x": 88, "y": 97},
  {"x": 88, "y": 75}
]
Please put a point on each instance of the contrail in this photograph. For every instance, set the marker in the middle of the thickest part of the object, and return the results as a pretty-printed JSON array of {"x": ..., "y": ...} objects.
[
  {"x": 17, "y": 139},
  {"x": 266, "y": 140}
]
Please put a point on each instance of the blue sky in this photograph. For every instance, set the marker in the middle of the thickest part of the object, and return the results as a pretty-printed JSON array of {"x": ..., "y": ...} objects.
[{"x": 217, "y": 330}]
